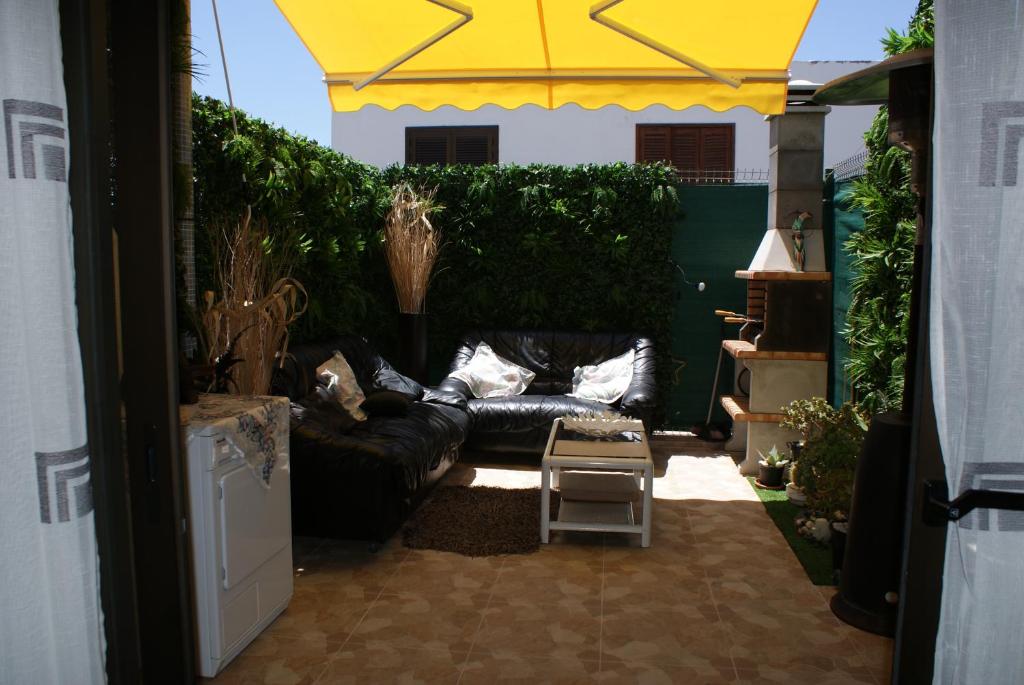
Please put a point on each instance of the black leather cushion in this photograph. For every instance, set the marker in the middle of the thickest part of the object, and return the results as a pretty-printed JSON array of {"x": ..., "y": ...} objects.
[
  {"x": 363, "y": 482},
  {"x": 522, "y": 423},
  {"x": 386, "y": 378},
  {"x": 297, "y": 376},
  {"x": 452, "y": 399},
  {"x": 526, "y": 412},
  {"x": 386, "y": 403}
]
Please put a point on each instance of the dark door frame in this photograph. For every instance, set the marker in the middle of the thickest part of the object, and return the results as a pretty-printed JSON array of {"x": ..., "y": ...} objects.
[
  {"x": 143, "y": 220},
  {"x": 84, "y": 44},
  {"x": 924, "y": 547},
  {"x": 119, "y": 102}
]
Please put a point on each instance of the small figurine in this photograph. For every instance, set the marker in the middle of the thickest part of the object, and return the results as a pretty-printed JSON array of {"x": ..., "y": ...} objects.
[{"x": 799, "y": 257}]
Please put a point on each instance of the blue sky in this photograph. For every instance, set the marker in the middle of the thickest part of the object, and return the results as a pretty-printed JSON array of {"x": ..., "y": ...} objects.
[{"x": 274, "y": 77}]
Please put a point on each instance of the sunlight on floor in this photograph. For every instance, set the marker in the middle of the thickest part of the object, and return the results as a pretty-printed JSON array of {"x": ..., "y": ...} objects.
[{"x": 717, "y": 598}]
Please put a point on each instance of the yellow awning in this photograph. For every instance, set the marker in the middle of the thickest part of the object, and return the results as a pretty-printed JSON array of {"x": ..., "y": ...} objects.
[{"x": 632, "y": 53}]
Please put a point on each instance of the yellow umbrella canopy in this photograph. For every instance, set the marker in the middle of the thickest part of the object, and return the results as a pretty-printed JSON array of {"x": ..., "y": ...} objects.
[{"x": 633, "y": 53}]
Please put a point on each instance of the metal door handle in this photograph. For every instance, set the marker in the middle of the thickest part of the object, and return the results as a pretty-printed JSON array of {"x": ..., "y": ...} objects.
[{"x": 939, "y": 511}]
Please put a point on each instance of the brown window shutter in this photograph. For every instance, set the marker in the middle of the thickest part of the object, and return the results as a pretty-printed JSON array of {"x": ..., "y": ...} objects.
[
  {"x": 473, "y": 148},
  {"x": 652, "y": 144},
  {"x": 716, "y": 148},
  {"x": 697, "y": 151},
  {"x": 686, "y": 149},
  {"x": 451, "y": 145},
  {"x": 426, "y": 149}
]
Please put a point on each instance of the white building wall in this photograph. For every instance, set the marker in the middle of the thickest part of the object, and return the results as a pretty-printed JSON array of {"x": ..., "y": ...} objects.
[{"x": 573, "y": 135}]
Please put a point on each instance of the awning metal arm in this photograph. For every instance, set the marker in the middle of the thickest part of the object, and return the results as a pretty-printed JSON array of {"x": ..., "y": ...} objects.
[
  {"x": 465, "y": 13},
  {"x": 597, "y": 14}
]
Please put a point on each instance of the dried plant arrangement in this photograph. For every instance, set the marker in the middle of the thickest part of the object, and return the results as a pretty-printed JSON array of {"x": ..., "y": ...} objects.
[
  {"x": 411, "y": 244},
  {"x": 247, "y": 328}
]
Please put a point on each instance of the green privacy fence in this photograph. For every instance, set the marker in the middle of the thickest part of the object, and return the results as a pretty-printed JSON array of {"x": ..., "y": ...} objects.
[
  {"x": 842, "y": 221},
  {"x": 717, "y": 234}
]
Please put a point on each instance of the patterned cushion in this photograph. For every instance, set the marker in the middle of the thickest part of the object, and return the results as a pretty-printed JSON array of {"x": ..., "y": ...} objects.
[
  {"x": 606, "y": 382},
  {"x": 488, "y": 375},
  {"x": 337, "y": 376}
]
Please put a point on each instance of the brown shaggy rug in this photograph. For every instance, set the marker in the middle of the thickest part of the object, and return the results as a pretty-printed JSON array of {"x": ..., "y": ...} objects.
[{"x": 478, "y": 521}]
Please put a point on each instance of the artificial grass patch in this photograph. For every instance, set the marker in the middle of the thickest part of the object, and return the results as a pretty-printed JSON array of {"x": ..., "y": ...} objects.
[{"x": 814, "y": 557}]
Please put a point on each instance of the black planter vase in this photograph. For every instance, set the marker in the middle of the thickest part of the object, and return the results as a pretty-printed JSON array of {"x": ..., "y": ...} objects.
[
  {"x": 838, "y": 541},
  {"x": 870, "y": 581},
  {"x": 413, "y": 330},
  {"x": 770, "y": 477}
]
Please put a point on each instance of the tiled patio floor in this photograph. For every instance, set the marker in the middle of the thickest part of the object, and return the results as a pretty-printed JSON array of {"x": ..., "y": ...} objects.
[{"x": 717, "y": 598}]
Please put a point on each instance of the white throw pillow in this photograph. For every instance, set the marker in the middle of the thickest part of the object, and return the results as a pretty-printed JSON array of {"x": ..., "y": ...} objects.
[
  {"x": 605, "y": 382},
  {"x": 488, "y": 375},
  {"x": 337, "y": 376}
]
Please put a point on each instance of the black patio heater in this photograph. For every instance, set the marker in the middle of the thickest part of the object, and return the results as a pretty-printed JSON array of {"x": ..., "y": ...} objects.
[{"x": 869, "y": 583}]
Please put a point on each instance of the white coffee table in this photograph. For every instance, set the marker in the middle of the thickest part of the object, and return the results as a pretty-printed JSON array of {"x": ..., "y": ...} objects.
[{"x": 613, "y": 474}]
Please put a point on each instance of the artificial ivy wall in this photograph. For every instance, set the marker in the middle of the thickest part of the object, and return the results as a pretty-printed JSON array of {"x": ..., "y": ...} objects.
[{"x": 584, "y": 247}]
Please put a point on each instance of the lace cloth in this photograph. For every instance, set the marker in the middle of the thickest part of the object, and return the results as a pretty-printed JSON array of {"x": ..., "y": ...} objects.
[{"x": 254, "y": 427}]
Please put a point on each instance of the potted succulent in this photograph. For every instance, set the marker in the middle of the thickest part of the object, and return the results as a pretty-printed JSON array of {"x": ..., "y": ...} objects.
[
  {"x": 771, "y": 468},
  {"x": 794, "y": 492}
]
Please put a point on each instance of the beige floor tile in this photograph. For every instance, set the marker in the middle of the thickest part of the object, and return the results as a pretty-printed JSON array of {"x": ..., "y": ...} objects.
[
  {"x": 277, "y": 660},
  {"x": 667, "y": 637},
  {"x": 646, "y": 673},
  {"x": 513, "y": 668},
  {"x": 648, "y": 590},
  {"x": 547, "y": 580},
  {"x": 789, "y": 674},
  {"x": 532, "y": 629},
  {"x": 380, "y": 664},
  {"x": 718, "y": 594},
  {"x": 319, "y": 613},
  {"x": 414, "y": 622},
  {"x": 442, "y": 574},
  {"x": 779, "y": 634},
  {"x": 348, "y": 569}
]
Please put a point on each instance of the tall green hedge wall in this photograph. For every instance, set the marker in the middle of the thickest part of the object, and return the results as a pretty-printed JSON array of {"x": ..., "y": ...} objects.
[
  {"x": 883, "y": 252},
  {"x": 584, "y": 247}
]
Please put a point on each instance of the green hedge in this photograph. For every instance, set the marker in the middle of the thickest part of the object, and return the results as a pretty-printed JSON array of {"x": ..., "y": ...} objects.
[
  {"x": 311, "y": 196},
  {"x": 584, "y": 247},
  {"x": 882, "y": 254}
]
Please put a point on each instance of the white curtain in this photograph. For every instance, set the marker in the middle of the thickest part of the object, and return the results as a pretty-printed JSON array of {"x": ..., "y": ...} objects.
[
  {"x": 50, "y": 622},
  {"x": 977, "y": 329}
]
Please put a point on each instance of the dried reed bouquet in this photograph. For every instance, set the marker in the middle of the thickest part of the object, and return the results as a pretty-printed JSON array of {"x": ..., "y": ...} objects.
[
  {"x": 259, "y": 300},
  {"x": 411, "y": 244}
]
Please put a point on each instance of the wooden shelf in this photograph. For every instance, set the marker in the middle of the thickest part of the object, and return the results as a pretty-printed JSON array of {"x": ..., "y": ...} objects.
[
  {"x": 784, "y": 275},
  {"x": 738, "y": 409},
  {"x": 741, "y": 349}
]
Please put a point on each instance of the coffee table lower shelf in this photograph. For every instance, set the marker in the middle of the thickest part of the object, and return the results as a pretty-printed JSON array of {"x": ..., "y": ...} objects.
[{"x": 603, "y": 517}]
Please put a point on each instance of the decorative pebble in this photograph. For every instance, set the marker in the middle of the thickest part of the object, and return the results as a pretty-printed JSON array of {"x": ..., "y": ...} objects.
[{"x": 821, "y": 530}]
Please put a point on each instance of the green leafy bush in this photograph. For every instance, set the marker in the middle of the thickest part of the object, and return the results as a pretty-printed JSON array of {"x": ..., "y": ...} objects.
[
  {"x": 882, "y": 254},
  {"x": 307, "y": 195},
  {"x": 828, "y": 459},
  {"x": 582, "y": 247},
  {"x": 577, "y": 248}
]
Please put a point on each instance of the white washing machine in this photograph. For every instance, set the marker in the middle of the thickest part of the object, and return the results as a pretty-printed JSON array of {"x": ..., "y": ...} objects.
[{"x": 240, "y": 503}]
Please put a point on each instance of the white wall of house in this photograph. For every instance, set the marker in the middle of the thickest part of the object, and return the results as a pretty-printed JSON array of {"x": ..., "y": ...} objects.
[{"x": 573, "y": 135}]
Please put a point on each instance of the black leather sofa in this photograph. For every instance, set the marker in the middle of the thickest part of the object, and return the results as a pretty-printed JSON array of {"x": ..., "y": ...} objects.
[
  {"x": 521, "y": 423},
  {"x": 361, "y": 480}
]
